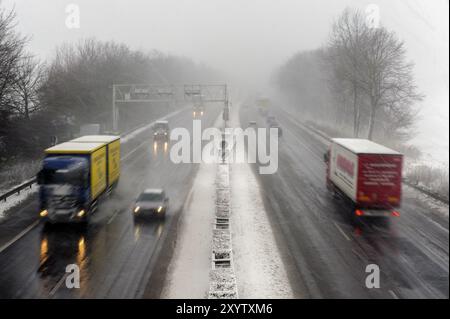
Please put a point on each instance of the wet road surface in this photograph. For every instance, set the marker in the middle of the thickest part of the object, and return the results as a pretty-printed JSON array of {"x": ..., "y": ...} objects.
[
  {"x": 115, "y": 253},
  {"x": 326, "y": 250}
]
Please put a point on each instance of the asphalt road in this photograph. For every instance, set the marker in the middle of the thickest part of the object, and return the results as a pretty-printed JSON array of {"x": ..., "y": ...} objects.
[
  {"x": 115, "y": 253},
  {"x": 326, "y": 250}
]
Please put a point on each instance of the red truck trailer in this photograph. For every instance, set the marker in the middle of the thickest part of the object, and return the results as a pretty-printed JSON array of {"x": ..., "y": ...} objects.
[{"x": 367, "y": 173}]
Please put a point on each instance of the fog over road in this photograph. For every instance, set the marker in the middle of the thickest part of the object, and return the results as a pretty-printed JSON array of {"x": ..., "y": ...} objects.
[{"x": 327, "y": 250}]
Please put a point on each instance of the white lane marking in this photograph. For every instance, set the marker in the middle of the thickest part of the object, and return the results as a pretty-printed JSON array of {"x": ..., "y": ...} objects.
[
  {"x": 20, "y": 235},
  {"x": 393, "y": 294},
  {"x": 341, "y": 231},
  {"x": 58, "y": 284},
  {"x": 113, "y": 216}
]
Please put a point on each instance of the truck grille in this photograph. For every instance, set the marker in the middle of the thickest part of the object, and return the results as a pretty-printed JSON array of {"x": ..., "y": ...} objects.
[{"x": 58, "y": 201}]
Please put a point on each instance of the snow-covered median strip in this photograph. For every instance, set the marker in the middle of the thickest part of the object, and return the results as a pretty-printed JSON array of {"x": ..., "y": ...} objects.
[{"x": 222, "y": 277}]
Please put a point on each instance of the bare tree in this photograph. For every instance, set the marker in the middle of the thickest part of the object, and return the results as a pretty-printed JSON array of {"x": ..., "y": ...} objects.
[
  {"x": 11, "y": 50},
  {"x": 371, "y": 64},
  {"x": 344, "y": 56},
  {"x": 30, "y": 74}
]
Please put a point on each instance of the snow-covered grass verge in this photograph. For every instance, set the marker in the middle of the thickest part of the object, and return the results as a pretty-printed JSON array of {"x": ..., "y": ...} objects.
[
  {"x": 16, "y": 199},
  {"x": 14, "y": 174}
]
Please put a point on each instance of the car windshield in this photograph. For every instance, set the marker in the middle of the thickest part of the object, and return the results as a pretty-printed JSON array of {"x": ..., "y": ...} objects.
[
  {"x": 151, "y": 197},
  {"x": 50, "y": 176},
  {"x": 161, "y": 126}
]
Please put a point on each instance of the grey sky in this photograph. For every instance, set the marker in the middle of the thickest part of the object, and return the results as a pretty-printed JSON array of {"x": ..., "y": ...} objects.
[{"x": 249, "y": 38}]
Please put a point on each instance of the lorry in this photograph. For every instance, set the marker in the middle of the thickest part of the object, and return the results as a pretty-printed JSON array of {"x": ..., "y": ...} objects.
[
  {"x": 75, "y": 175},
  {"x": 367, "y": 174}
]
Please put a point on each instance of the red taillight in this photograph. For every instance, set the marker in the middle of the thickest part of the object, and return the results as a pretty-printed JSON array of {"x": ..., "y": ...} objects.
[
  {"x": 395, "y": 213},
  {"x": 359, "y": 212}
]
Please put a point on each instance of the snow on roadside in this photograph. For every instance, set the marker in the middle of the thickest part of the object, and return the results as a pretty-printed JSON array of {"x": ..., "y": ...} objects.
[
  {"x": 435, "y": 205},
  {"x": 188, "y": 274},
  {"x": 259, "y": 269},
  {"x": 14, "y": 200},
  {"x": 260, "y": 272}
]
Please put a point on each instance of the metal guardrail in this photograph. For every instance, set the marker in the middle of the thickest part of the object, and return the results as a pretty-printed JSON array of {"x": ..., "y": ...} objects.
[
  {"x": 426, "y": 191},
  {"x": 16, "y": 190}
]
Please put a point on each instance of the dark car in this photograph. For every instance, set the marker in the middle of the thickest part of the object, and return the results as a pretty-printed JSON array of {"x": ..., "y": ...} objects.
[
  {"x": 276, "y": 125},
  {"x": 151, "y": 202},
  {"x": 161, "y": 131}
]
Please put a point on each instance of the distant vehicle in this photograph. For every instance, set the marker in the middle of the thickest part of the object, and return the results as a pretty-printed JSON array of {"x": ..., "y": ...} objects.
[
  {"x": 75, "y": 175},
  {"x": 273, "y": 123},
  {"x": 369, "y": 175},
  {"x": 198, "y": 110},
  {"x": 161, "y": 131},
  {"x": 276, "y": 125},
  {"x": 152, "y": 202},
  {"x": 271, "y": 119}
]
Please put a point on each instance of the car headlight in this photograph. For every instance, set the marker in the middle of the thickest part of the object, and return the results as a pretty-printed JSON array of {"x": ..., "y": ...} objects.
[
  {"x": 160, "y": 209},
  {"x": 43, "y": 213},
  {"x": 136, "y": 209}
]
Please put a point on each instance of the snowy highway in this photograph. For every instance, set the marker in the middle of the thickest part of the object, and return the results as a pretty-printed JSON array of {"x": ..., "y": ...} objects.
[
  {"x": 311, "y": 240},
  {"x": 326, "y": 250}
]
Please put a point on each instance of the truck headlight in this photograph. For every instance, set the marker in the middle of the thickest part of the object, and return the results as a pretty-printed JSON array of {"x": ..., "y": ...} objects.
[
  {"x": 43, "y": 213},
  {"x": 136, "y": 209},
  {"x": 160, "y": 209},
  {"x": 81, "y": 213}
]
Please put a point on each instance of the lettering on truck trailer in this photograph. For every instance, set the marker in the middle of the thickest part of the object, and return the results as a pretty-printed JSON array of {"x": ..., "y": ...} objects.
[{"x": 346, "y": 165}]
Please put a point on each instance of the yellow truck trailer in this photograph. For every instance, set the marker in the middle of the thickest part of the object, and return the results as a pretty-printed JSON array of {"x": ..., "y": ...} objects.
[
  {"x": 113, "y": 153},
  {"x": 73, "y": 177}
]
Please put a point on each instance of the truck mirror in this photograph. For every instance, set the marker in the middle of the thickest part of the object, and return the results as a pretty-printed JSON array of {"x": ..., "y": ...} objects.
[{"x": 325, "y": 157}]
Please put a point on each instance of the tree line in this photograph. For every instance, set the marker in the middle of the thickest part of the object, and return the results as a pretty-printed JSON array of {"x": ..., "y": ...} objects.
[
  {"x": 42, "y": 99},
  {"x": 359, "y": 82}
]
